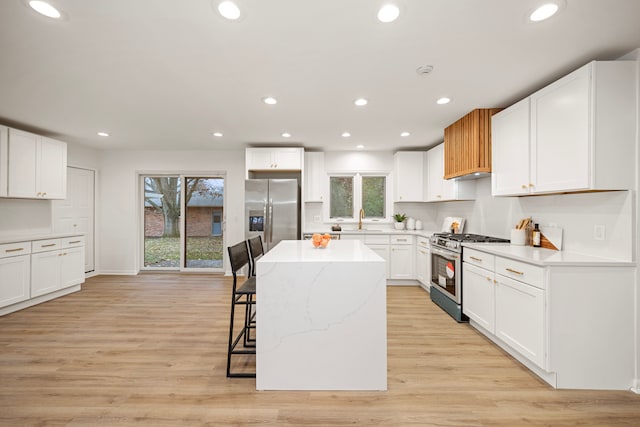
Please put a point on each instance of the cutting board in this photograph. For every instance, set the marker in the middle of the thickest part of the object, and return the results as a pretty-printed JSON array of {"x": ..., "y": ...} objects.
[{"x": 551, "y": 238}]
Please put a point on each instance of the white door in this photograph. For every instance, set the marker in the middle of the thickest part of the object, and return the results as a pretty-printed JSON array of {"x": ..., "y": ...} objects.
[{"x": 76, "y": 213}]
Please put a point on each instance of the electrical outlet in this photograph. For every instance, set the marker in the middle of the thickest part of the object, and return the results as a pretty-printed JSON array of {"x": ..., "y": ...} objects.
[
  {"x": 317, "y": 218},
  {"x": 598, "y": 232}
]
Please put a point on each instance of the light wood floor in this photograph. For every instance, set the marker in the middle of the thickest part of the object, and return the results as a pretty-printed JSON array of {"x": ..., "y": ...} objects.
[{"x": 151, "y": 350}]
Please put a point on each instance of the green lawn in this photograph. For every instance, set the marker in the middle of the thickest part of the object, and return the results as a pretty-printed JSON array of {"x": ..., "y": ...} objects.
[{"x": 165, "y": 251}]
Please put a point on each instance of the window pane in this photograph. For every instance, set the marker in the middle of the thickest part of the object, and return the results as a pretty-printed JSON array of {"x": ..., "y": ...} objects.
[
  {"x": 203, "y": 222},
  {"x": 373, "y": 196},
  {"x": 161, "y": 222},
  {"x": 341, "y": 200}
]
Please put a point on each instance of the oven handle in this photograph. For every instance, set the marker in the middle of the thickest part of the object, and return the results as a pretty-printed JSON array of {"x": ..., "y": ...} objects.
[{"x": 452, "y": 256}]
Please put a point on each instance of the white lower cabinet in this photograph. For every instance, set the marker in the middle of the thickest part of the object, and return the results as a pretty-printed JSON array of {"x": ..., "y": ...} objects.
[
  {"x": 383, "y": 251},
  {"x": 423, "y": 262},
  {"x": 36, "y": 271},
  {"x": 554, "y": 318},
  {"x": 402, "y": 258},
  {"x": 14, "y": 278},
  {"x": 479, "y": 296},
  {"x": 520, "y": 319},
  {"x": 56, "y": 264}
]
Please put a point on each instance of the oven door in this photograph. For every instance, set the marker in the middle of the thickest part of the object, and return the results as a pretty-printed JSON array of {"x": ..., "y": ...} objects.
[{"x": 445, "y": 272}]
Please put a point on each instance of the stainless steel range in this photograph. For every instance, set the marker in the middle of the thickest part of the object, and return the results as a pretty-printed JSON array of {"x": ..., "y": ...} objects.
[{"x": 446, "y": 269}]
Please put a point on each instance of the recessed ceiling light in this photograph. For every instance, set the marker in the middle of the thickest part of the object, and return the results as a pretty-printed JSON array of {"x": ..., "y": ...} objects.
[
  {"x": 218, "y": 134},
  {"x": 346, "y": 134},
  {"x": 388, "y": 13},
  {"x": 269, "y": 100},
  {"x": 361, "y": 102},
  {"x": 545, "y": 11},
  {"x": 44, "y": 8},
  {"x": 229, "y": 10},
  {"x": 286, "y": 135},
  {"x": 443, "y": 101},
  {"x": 404, "y": 134},
  {"x": 359, "y": 146},
  {"x": 103, "y": 134}
]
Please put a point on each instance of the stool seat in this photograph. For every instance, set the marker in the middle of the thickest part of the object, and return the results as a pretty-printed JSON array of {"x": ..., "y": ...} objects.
[{"x": 248, "y": 287}]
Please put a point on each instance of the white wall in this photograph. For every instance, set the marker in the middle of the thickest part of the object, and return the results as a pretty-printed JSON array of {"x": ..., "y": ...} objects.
[{"x": 119, "y": 227}]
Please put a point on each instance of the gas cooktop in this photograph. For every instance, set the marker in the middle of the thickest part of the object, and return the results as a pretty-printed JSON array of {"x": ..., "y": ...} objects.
[{"x": 475, "y": 238}]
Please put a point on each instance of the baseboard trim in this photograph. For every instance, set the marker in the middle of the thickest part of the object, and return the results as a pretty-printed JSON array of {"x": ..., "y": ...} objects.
[{"x": 118, "y": 272}]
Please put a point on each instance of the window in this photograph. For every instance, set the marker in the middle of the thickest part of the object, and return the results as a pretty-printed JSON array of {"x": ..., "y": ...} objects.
[{"x": 350, "y": 192}]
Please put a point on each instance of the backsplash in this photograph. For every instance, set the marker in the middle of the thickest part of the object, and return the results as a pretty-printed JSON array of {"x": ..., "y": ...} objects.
[{"x": 576, "y": 214}]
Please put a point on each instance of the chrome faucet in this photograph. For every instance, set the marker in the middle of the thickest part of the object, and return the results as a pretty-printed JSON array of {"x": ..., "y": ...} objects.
[{"x": 360, "y": 216}]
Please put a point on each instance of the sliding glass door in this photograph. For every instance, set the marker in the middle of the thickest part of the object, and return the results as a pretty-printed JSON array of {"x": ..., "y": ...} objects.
[{"x": 192, "y": 241}]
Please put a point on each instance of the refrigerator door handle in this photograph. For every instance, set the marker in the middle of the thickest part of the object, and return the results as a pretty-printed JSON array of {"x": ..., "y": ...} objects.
[{"x": 270, "y": 220}]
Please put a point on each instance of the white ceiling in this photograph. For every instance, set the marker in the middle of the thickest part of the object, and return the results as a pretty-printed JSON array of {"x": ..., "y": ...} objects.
[{"x": 165, "y": 74}]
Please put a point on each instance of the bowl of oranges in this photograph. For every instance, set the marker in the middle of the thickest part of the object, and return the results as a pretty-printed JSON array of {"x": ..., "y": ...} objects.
[{"x": 320, "y": 240}]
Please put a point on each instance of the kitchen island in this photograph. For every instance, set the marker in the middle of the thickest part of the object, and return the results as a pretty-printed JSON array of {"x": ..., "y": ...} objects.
[{"x": 321, "y": 318}]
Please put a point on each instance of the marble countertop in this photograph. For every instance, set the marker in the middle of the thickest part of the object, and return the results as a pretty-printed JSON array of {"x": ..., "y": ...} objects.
[
  {"x": 22, "y": 238},
  {"x": 546, "y": 257},
  {"x": 304, "y": 251}
]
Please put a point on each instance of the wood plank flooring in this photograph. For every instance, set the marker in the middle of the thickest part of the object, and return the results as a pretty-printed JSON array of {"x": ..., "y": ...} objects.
[{"x": 151, "y": 350}]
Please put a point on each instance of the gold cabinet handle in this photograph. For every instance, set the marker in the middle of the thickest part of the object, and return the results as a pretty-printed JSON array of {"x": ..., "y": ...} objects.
[
  {"x": 495, "y": 281},
  {"x": 75, "y": 241},
  {"x": 14, "y": 250},
  {"x": 49, "y": 245},
  {"x": 514, "y": 271},
  {"x": 476, "y": 259},
  {"x": 488, "y": 279},
  {"x": 524, "y": 187},
  {"x": 531, "y": 185}
]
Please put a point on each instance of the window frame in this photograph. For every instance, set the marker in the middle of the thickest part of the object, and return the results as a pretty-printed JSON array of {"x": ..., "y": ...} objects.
[{"x": 357, "y": 197}]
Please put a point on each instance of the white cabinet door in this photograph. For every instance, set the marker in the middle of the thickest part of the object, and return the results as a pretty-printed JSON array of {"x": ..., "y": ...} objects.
[
  {"x": 560, "y": 148},
  {"x": 383, "y": 251},
  {"x": 402, "y": 262},
  {"x": 4, "y": 165},
  {"x": 478, "y": 298},
  {"x": 51, "y": 170},
  {"x": 435, "y": 174},
  {"x": 23, "y": 148},
  {"x": 287, "y": 158},
  {"x": 520, "y": 320},
  {"x": 276, "y": 158},
  {"x": 71, "y": 267},
  {"x": 45, "y": 272},
  {"x": 423, "y": 266},
  {"x": 510, "y": 133},
  {"x": 314, "y": 177},
  {"x": 409, "y": 176},
  {"x": 15, "y": 275},
  {"x": 37, "y": 166}
]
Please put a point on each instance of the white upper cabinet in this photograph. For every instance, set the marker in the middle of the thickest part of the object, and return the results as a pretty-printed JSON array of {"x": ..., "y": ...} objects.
[
  {"x": 439, "y": 189},
  {"x": 315, "y": 177},
  {"x": 409, "y": 178},
  {"x": 579, "y": 136},
  {"x": 274, "y": 158},
  {"x": 510, "y": 146},
  {"x": 36, "y": 166}
]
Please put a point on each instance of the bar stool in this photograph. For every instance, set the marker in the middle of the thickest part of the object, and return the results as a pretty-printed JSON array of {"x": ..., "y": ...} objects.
[
  {"x": 256, "y": 251},
  {"x": 242, "y": 294}
]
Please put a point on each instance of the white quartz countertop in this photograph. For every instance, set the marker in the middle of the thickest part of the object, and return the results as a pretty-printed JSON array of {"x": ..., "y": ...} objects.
[
  {"x": 336, "y": 251},
  {"x": 546, "y": 257},
  {"x": 22, "y": 238},
  {"x": 421, "y": 233}
]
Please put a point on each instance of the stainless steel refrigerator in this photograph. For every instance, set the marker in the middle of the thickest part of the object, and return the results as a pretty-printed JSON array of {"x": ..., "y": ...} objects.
[{"x": 272, "y": 210}]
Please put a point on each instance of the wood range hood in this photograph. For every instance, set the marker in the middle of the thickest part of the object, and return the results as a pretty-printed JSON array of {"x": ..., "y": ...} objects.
[{"x": 467, "y": 145}]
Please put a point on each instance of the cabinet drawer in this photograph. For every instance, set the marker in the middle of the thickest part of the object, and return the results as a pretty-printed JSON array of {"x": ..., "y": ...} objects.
[
  {"x": 378, "y": 239},
  {"x": 45, "y": 245},
  {"x": 481, "y": 259},
  {"x": 14, "y": 249},
  {"x": 423, "y": 241},
  {"x": 70, "y": 242},
  {"x": 521, "y": 271},
  {"x": 401, "y": 240}
]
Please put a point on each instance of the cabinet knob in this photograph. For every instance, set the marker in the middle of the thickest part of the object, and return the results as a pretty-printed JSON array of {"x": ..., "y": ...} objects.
[
  {"x": 524, "y": 187},
  {"x": 488, "y": 279},
  {"x": 531, "y": 185}
]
